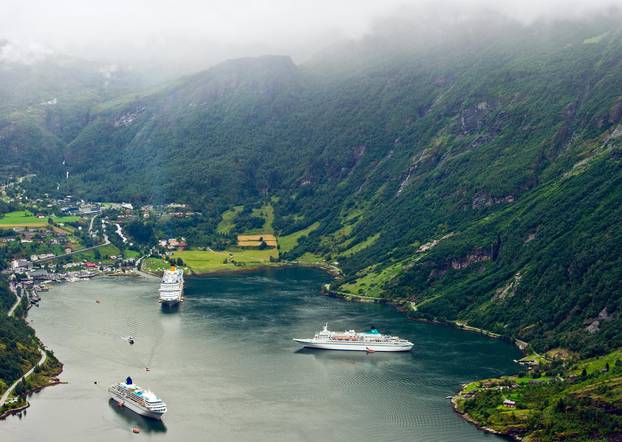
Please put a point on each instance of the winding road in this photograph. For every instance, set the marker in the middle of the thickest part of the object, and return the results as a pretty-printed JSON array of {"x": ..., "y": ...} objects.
[
  {"x": 105, "y": 243},
  {"x": 44, "y": 355},
  {"x": 17, "y": 300},
  {"x": 5, "y": 396}
]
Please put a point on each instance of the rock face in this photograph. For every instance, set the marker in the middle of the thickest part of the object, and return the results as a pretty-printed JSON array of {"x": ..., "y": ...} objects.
[
  {"x": 473, "y": 258},
  {"x": 484, "y": 199},
  {"x": 508, "y": 290},
  {"x": 593, "y": 325}
]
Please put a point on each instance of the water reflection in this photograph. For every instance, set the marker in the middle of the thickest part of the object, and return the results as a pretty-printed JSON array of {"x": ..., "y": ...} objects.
[
  {"x": 136, "y": 420},
  {"x": 229, "y": 348},
  {"x": 168, "y": 309}
]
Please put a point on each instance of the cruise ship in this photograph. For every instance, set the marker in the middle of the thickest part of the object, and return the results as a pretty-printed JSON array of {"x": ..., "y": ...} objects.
[
  {"x": 172, "y": 286},
  {"x": 370, "y": 341},
  {"x": 144, "y": 402}
]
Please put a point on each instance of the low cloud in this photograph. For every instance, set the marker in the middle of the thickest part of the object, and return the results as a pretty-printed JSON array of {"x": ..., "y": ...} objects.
[{"x": 202, "y": 32}]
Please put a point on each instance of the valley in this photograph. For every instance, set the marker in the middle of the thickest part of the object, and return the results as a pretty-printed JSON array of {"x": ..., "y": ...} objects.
[{"x": 468, "y": 173}]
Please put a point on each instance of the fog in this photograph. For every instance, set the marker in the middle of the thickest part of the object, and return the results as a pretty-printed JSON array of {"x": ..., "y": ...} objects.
[{"x": 193, "y": 34}]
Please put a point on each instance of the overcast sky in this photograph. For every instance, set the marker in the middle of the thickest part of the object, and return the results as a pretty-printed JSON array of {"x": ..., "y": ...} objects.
[{"x": 122, "y": 30}]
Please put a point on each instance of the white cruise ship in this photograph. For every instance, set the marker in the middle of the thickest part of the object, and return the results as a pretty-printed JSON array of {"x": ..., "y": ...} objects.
[
  {"x": 172, "y": 286},
  {"x": 140, "y": 401},
  {"x": 371, "y": 341}
]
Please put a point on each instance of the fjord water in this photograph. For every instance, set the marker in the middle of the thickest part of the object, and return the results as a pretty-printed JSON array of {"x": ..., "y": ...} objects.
[{"x": 227, "y": 368}]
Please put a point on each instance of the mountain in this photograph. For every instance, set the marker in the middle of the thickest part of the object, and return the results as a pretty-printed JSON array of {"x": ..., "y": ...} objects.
[
  {"x": 474, "y": 173},
  {"x": 45, "y": 100}
]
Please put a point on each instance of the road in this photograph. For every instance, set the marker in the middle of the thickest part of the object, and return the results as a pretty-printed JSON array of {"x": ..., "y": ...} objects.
[
  {"x": 105, "y": 243},
  {"x": 17, "y": 301},
  {"x": 91, "y": 224},
  {"x": 44, "y": 355},
  {"x": 5, "y": 396}
]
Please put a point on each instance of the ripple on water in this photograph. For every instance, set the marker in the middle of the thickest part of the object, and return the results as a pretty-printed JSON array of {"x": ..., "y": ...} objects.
[{"x": 229, "y": 349}]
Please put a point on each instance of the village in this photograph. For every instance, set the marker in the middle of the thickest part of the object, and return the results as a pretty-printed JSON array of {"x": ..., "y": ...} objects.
[{"x": 47, "y": 240}]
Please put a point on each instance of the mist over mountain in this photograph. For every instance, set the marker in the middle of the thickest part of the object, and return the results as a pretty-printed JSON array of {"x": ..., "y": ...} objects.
[
  {"x": 463, "y": 161},
  {"x": 433, "y": 164}
]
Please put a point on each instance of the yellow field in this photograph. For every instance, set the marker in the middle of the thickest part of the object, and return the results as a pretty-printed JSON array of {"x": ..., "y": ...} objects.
[{"x": 255, "y": 240}]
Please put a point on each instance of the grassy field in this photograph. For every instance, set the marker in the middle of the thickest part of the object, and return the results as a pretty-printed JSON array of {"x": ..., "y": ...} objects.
[
  {"x": 267, "y": 213},
  {"x": 371, "y": 281},
  {"x": 128, "y": 253},
  {"x": 204, "y": 261},
  {"x": 25, "y": 218},
  {"x": 289, "y": 242},
  {"x": 362, "y": 245},
  {"x": 226, "y": 223},
  {"x": 310, "y": 258},
  {"x": 104, "y": 253},
  {"x": 154, "y": 265}
]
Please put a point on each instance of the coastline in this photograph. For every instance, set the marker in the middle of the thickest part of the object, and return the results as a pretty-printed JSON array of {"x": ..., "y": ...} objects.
[
  {"x": 403, "y": 306},
  {"x": 330, "y": 269},
  {"x": 406, "y": 307},
  {"x": 51, "y": 379},
  {"x": 479, "y": 426}
]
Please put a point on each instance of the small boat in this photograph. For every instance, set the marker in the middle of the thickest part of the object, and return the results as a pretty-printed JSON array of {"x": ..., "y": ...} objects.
[
  {"x": 129, "y": 339},
  {"x": 369, "y": 350}
]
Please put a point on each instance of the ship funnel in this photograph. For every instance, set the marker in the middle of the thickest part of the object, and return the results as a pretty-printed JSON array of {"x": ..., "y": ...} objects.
[{"x": 128, "y": 381}]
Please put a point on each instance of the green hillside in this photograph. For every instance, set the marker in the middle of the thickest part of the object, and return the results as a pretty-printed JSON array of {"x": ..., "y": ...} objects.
[
  {"x": 471, "y": 171},
  {"x": 479, "y": 180}
]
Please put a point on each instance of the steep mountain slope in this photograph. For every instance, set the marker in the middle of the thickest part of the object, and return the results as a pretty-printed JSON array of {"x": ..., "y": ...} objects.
[
  {"x": 476, "y": 175},
  {"x": 45, "y": 100}
]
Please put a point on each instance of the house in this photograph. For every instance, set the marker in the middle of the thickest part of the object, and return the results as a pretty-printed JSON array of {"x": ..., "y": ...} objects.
[
  {"x": 173, "y": 243},
  {"x": 40, "y": 275},
  {"x": 71, "y": 210},
  {"x": 21, "y": 265},
  {"x": 509, "y": 404}
]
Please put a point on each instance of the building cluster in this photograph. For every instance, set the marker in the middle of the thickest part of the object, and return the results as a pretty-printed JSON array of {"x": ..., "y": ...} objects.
[
  {"x": 175, "y": 210},
  {"x": 173, "y": 243}
]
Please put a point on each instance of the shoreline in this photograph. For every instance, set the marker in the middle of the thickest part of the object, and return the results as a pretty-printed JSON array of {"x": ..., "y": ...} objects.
[
  {"x": 402, "y": 306},
  {"x": 479, "y": 426},
  {"x": 405, "y": 307},
  {"x": 53, "y": 381},
  {"x": 335, "y": 272}
]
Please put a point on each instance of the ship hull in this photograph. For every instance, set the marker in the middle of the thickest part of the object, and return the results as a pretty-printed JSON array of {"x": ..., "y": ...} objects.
[
  {"x": 355, "y": 346},
  {"x": 124, "y": 402},
  {"x": 170, "y": 301}
]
